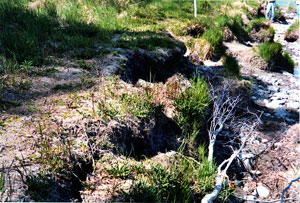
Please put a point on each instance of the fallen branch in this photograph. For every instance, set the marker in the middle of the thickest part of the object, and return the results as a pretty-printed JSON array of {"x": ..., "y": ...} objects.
[
  {"x": 285, "y": 189},
  {"x": 222, "y": 173},
  {"x": 223, "y": 109}
]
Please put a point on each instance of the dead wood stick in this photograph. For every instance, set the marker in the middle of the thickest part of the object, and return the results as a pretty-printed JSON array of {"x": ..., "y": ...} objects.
[{"x": 222, "y": 173}]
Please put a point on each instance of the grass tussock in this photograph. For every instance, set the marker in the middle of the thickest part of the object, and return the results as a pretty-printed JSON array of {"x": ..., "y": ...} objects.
[
  {"x": 269, "y": 51},
  {"x": 191, "y": 106},
  {"x": 231, "y": 66},
  {"x": 293, "y": 27},
  {"x": 273, "y": 54}
]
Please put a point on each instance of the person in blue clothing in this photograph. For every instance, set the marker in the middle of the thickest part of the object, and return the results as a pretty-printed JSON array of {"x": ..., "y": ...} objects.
[
  {"x": 298, "y": 8},
  {"x": 271, "y": 10}
]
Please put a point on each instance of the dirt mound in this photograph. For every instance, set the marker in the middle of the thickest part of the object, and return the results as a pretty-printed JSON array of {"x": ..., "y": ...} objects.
[{"x": 292, "y": 36}]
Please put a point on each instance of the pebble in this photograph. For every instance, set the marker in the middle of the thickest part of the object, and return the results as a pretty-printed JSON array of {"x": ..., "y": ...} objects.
[
  {"x": 281, "y": 113},
  {"x": 274, "y": 104},
  {"x": 262, "y": 191},
  {"x": 267, "y": 114},
  {"x": 278, "y": 144},
  {"x": 273, "y": 88},
  {"x": 293, "y": 105},
  {"x": 250, "y": 197}
]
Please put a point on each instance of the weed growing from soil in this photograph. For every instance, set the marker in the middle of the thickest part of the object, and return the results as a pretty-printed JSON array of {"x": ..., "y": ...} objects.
[
  {"x": 191, "y": 106},
  {"x": 185, "y": 180}
]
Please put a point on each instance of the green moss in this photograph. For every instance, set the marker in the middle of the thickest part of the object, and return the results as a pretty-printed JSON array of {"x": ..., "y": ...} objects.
[{"x": 147, "y": 41}]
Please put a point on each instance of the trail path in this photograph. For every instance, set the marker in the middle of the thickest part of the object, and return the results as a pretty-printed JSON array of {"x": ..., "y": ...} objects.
[
  {"x": 293, "y": 48},
  {"x": 277, "y": 95}
]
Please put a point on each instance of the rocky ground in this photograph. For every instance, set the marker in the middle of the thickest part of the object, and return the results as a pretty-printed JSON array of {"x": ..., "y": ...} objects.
[
  {"x": 273, "y": 151},
  {"x": 269, "y": 162}
]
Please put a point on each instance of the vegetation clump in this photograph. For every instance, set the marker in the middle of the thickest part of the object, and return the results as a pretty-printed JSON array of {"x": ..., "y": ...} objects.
[
  {"x": 260, "y": 30},
  {"x": 292, "y": 34},
  {"x": 231, "y": 66},
  {"x": 191, "y": 106},
  {"x": 272, "y": 53}
]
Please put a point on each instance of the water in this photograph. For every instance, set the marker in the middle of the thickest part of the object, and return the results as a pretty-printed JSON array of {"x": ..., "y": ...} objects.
[{"x": 285, "y": 3}]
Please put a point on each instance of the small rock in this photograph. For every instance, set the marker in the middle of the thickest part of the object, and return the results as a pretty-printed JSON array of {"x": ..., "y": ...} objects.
[
  {"x": 254, "y": 98},
  {"x": 255, "y": 172},
  {"x": 256, "y": 142},
  {"x": 281, "y": 113},
  {"x": 264, "y": 140},
  {"x": 267, "y": 114},
  {"x": 274, "y": 104},
  {"x": 293, "y": 105},
  {"x": 250, "y": 197},
  {"x": 262, "y": 191},
  {"x": 280, "y": 95},
  {"x": 273, "y": 88},
  {"x": 278, "y": 144},
  {"x": 247, "y": 159}
]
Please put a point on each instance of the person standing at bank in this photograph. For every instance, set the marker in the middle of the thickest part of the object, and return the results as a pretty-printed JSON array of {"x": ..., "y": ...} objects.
[
  {"x": 271, "y": 10},
  {"x": 298, "y": 9}
]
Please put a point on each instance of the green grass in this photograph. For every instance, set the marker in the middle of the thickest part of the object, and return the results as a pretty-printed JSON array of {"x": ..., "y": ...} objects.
[
  {"x": 122, "y": 171},
  {"x": 272, "y": 53},
  {"x": 215, "y": 38},
  {"x": 293, "y": 27},
  {"x": 289, "y": 62},
  {"x": 133, "y": 104},
  {"x": 256, "y": 24},
  {"x": 231, "y": 66},
  {"x": 191, "y": 106},
  {"x": 55, "y": 28},
  {"x": 269, "y": 51},
  {"x": 147, "y": 41},
  {"x": 185, "y": 180},
  {"x": 234, "y": 23}
]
